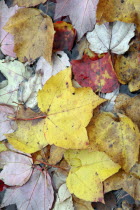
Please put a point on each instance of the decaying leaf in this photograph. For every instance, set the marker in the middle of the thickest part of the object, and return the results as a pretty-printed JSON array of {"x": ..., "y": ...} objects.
[
  {"x": 56, "y": 154},
  {"x": 60, "y": 61},
  {"x": 97, "y": 74},
  {"x": 64, "y": 199},
  {"x": 33, "y": 34},
  {"x": 37, "y": 193},
  {"x": 13, "y": 71},
  {"x": 29, "y": 136},
  {"x": 68, "y": 111},
  {"x": 118, "y": 136},
  {"x": 88, "y": 171},
  {"x": 129, "y": 106},
  {"x": 64, "y": 36},
  {"x": 114, "y": 10},
  {"x": 123, "y": 180},
  {"x": 17, "y": 168},
  {"x": 6, "y": 125},
  {"x": 28, "y": 3},
  {"x": 6, "y": 39},
  {"x": 112, "y": 37},
  {"x": 127, "y": 67},
  {"x": 80, "y": 204},
  {"x": 81, "y": 13}
]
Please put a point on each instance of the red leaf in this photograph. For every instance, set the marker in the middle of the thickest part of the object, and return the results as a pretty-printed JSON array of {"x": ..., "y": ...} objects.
[
  {"x": 64, "y": 36},
  {"x": 97, "y": 74},
  {"x": 2, "y": 186}
]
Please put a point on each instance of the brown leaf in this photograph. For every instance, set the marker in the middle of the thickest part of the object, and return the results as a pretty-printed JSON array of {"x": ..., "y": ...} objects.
[
  {"x": 33, "y": 34},
  {"x": 28, "y": 3}
]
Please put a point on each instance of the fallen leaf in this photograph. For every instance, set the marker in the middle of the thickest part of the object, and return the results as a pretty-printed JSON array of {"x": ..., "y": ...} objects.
[
  {"x": 64, "y": 199},
  {"x": 27, "y": 93},
  {"x": 28, "y": 3},
  {"x": 41, "y": 155},
  {"x": 127, "y": 67},
  {"x": 123, "y": 180},
  {"x": 6, "y": 39},
  {"x": 114, "y": 10},
  {"x": 118, "y": 136},
  {"x": 56, "y": 154},
  {"x": 58, "y": 178},
  {"x": 2, "y": 147},
  {"x": 36, "y": 193},
  {"x": 98, "y": 74},
  {"x": 17, "y": 168},
  {"x": 64, "y": 36},
  {"x": 129, "y": 106},
  {"x": 88, "y": 171},
  {"x": 33, "y": 34},
  {"x": 81, "y": 13},
  {"x": 68, "y": 111},
  {"x": 6, "y": 125},
  {"x": 29, "y": 136},
  {"x": 112, "y": 37},
  {"x": 80, "y": 204},
  {"x": 60, "y": 61},
  {"x": 13, "y": 71}
]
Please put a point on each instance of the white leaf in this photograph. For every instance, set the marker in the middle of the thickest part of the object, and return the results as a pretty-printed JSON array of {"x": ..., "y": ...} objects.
[
  {"x": 60, "y": 61},
  {"x": 111, "y": 36}
]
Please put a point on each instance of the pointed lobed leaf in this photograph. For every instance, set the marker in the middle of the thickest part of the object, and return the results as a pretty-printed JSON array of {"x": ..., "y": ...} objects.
[
  {"x": 89, "y": 170},
  {"x": 81, "y": 13},
  {"x": 33, "y": 34},
  {"x": 68, "y": 110},
  {"x": 118, "y": 136},
  {"x": 114, "y": 37},
  {"x": 36, "y": 194},
  {"x": 17, "y": 168},
  {"x": 98, "y": 74}
]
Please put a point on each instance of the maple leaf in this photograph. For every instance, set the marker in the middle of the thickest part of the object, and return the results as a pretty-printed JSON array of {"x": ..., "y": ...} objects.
[
  {"x": 31, "y": 29},
  {"x": 68, "y": 111},
  {"x": 108, "y": 36},
  {"x": 123, "y": 180},
  {"x": 37, "y": 193},
  {"x": 17, "y": 168},
  {"x": 29, "y": 136},
  {"x": 28, "y": 3},
  {"x": 13, "y": 71},
  {"x": 6, "y": 125},
  {"x": 114, "y": 10},
  {"x": 81, "y": 13},
  {"x": 97, "y": 166},
  {"x": 6, "y": 39},
  {"x": 64, "y": 36},
  {"x": 97, "y": 74},
  {"x": 60, "y": 61},
  {"x": 117, "y": 136}
]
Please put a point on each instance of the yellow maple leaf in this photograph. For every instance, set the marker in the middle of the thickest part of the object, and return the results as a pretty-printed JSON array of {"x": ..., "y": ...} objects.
[
  {"x": 118, "y": 136},
  {"x": 88, "y": 170},
  {"x": 68, "y": 111},
  {"x": 33, "y": 34},
  {"x": 114, "y": 10}
]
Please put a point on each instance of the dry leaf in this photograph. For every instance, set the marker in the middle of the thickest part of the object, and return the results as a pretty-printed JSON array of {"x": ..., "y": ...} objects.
[
  {"x": 56, "y": 154},
  {"x": 68, "y": 111},
  {"x": 88, "y": 171},
  {"x": 129, "y": 106},
  {"x": 80, "y": 204},
  {"x": 33, "y": 34},
  {"x": 28, "y": 3},
  {"x": 114, "y": 10},
  {"x": 126, "y": 181},
  {"x": 112, "y": 37},
  {"x": 118, "y": 136}
]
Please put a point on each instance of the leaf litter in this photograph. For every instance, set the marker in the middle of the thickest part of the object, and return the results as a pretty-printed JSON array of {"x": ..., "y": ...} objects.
[{"x": 67, "y": 145}]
